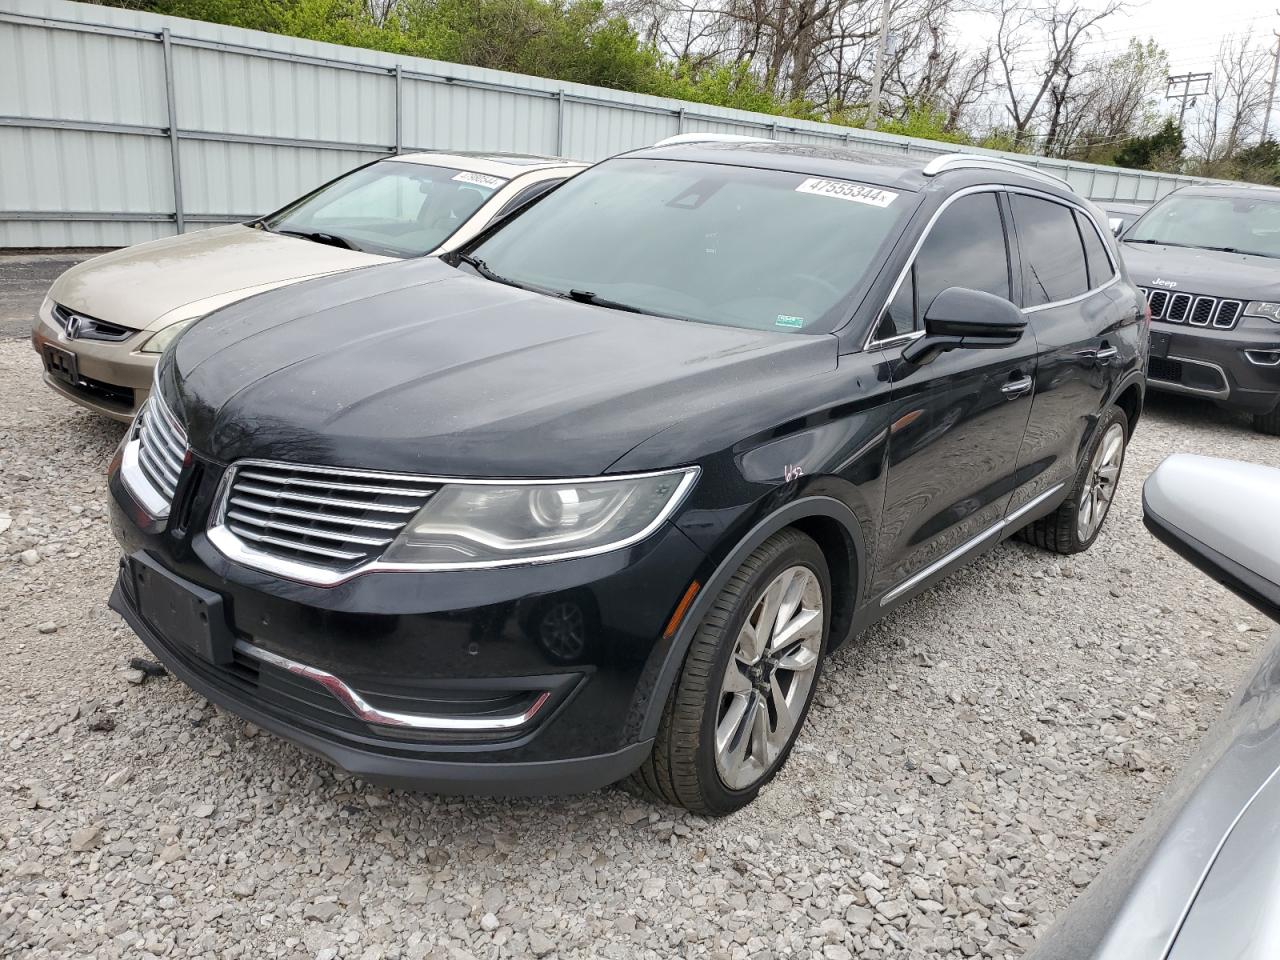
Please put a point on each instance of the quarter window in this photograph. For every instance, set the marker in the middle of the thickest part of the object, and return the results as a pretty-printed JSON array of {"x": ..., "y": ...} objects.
[
  {"x": 1052, "y": 253},
  {"x": 1100, "y": 269}
]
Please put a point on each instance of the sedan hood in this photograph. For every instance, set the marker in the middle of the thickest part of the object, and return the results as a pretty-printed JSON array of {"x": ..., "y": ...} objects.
[
  {"x": 420, "y": 368},
  {"x": 1210, "y": 272},
  {"x": 151, "y": 285}
]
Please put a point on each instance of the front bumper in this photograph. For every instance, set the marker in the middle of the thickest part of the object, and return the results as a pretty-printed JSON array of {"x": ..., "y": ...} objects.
[
  {"x": 114, "y": 378},
  {"x": 1232, "y": 367},
  {"x": 401, "y": 640}
]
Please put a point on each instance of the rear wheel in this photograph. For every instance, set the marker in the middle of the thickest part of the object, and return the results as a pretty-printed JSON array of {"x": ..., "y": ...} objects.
[
  {"x": 1074, "y": 526},
  {"x": 747, "y": 681},
  {"x": 1268, "y": 423}
]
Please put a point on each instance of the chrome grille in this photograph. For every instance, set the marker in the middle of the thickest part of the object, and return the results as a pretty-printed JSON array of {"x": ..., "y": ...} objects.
[
  {"x": 162, "y": 447},
  {"x": 1198, "y": 311},
  {"x": 319, "y": 516},
  {"x": 89, "y": 328}
]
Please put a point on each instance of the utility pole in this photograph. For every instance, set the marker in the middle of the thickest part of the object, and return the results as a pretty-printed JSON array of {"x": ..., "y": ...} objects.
[
  {"x": 1187, "y": 94},
  {"x": 1271, "y": 91},
  {"x": 877, "y": 79}
]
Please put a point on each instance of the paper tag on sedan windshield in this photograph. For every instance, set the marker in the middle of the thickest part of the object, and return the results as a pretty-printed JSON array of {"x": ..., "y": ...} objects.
[
  {"x": 844, "y": 190},
  {"x": 479, "y": 179}
]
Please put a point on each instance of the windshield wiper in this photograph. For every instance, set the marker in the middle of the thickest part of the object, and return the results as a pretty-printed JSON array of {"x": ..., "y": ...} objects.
[
  {"x": 586, "y": 296},
  {"x": 482, "y": 268},
  {"x": 316, "y": 236},
  {"x": 1162, "y": 243}
]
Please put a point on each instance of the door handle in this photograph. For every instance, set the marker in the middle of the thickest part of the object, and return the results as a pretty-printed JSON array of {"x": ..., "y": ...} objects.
[
  {"x": 1106, "y": 353},
  {"x": 1016, "y": 388}
]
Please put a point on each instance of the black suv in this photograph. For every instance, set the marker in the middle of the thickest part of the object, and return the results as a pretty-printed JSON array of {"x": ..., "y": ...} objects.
[
  {"x": 591, "y": 499},
  {"x": 1207, "y": 259}
]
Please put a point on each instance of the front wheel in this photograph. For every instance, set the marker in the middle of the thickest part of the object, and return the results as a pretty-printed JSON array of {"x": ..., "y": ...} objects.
[
  {"x": 1074, "y": 526},
  {"x": 746, "y": 684}
]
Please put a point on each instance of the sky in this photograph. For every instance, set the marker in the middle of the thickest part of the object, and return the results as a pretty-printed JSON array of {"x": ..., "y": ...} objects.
[{"x": 1190, "y": 30}]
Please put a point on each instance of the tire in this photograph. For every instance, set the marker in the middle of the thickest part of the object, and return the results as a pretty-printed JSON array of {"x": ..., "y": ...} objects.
[
  {"x": 1065, "y": 531},
  {"x": 1268, "y": 423},
  {"x": 685, "y": 768}
]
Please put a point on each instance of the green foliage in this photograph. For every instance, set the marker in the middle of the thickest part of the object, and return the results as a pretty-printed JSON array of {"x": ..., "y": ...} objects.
[
  {"x": 1258, "y": 164},
  {"x": 1161, "y": 151},
  {"x": 926, "y": 122}
]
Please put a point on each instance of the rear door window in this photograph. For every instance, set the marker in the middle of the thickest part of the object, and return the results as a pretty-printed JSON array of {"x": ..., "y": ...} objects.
[
  {"x": 1100, "y": 268},
  {"x": 1052, "y": 252}
]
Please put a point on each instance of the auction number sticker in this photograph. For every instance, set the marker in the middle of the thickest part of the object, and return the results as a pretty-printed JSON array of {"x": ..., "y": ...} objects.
[
  {"x": 479, "y": 179},
  {"x": 844, "y": 190}
]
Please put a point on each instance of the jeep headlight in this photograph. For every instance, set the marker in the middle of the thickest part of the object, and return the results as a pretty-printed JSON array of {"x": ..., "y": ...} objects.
[
  {"x": 162, "y": 338},
  {"x": 498, "y": 523},
  {"x": 1263, "y": 308}
]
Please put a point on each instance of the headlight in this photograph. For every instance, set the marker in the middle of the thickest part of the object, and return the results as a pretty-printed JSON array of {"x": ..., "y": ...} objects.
[
  {"x": 490, "y": 524},
  {"x": 1261, "y": 308},
  {"x": 164, "y": 337}
]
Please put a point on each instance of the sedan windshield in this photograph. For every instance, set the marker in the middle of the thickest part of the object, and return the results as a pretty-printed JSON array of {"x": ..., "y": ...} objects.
[
  {"x": 737, "y": 246},
  {"x": 1233, "y": 224},
  {"x": 393, "y": 207}
]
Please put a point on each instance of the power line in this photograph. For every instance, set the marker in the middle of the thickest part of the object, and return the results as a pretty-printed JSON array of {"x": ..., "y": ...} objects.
[{"x": 1187, "y": 94}]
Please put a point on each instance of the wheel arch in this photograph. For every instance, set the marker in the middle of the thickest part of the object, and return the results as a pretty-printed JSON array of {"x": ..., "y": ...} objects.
[
  {"x": 833, "y": 526},
  {"x": 1130, "y": 397}
]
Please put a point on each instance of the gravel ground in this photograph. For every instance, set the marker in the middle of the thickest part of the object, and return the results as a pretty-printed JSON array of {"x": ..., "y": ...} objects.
[
  {"x": 24, "y": 280},
  {"x": 970, "y": 765}
]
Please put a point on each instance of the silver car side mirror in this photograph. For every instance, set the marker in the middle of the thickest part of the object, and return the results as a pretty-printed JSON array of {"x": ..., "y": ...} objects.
[
  {"x": 1224, "y": 517},
  {"x": 1117, "y": 225}
]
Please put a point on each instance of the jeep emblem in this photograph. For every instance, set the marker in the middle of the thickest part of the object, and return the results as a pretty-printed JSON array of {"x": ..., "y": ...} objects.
[{"x": 1164, "y": 283}]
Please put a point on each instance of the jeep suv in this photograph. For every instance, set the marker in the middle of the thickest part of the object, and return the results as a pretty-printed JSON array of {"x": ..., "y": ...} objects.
[
  {"x": 592, "y": 499},
  {"x": 1207, "y": 259}
]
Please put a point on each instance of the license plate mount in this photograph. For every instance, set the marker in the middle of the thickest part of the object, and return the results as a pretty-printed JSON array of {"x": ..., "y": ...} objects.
[
  {"x": 61, "y": 364},
  {"x": 183, "y": 613},
  {"x": 1159, "y": 344}
]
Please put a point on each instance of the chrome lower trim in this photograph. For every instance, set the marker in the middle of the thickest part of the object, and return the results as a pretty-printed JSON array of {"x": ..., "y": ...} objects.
[
  {"x": 1173, "y": 387},
  {"x": 136, "y": 482},
  {"x": 363, "y": 710},
  {"x": 939, "y": 565},
  {"x": 1263, "y": 358}
]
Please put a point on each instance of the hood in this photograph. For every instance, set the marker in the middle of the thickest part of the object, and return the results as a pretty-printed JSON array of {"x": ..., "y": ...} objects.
[
  {"x": 420, "y": 368},
  {"x": 151, "y": 285},
  {"x": 1210, "y": 272}
]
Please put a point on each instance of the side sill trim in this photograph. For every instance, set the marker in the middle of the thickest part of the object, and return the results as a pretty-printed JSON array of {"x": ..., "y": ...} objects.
[{"x": 943, "y": 562}]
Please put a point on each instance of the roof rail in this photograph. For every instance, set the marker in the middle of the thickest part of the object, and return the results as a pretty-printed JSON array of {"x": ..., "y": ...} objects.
[
  {"x": 710, "y": 137},
  {"x": 971, "y": 161}
]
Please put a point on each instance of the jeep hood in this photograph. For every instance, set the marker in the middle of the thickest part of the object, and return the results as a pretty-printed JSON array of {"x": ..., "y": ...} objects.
[
  {"x": 421, "y": 368},
  {"x": 151, "y": 285},
  {"x": 1210, "y": 272}
]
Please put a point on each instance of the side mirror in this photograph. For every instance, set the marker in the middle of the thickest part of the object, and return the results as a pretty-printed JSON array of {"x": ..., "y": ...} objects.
[
  {"x": 969, "y": 319},
  {"x": 1117, "y": 225},
  {"x": 1224, "y": 517}
]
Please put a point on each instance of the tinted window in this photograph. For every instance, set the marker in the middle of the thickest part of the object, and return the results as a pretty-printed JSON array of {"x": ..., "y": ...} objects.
[
  {"x": 1100, "y": 269},
  {"x": 900, "y": 316},
  {"x": 1053, "y": 263},
  {"x": 965, "y": 248},
  {"x": 739, "y": 246}
]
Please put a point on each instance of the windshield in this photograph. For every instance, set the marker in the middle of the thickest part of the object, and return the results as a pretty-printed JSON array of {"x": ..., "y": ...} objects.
[
  {"x": 729, "y": 245},
  {"x": 393, "y": 207},
  {"x": 1237, "y": 224}
]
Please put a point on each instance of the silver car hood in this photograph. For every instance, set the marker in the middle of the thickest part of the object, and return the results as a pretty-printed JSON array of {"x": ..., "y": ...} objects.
[{"x": 151, "y": 285}]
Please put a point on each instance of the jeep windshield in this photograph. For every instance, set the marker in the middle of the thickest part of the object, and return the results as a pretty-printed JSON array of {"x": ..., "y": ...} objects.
[
  {"x": 738, "y": 246},
  {"x": 396, "y": 208},
  {"x": 1232, "y": 224}
]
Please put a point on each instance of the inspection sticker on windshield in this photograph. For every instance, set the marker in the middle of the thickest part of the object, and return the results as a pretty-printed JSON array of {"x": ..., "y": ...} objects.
[
  {"x": 480, "y": 179},
  {"x": 844, "y": 190}
]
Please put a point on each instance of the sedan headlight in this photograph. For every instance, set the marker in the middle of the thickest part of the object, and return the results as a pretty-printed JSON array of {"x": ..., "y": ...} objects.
[
  {"x": 1261, "y": 308},
  {"x": 491, "y": 524},
  {"x": 163, "y": 338}
]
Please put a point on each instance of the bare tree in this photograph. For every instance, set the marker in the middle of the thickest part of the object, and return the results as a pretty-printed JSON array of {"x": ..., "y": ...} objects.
[
  {"x": 1037, "y": 52},
  {"x": 1231, "y": 112}
]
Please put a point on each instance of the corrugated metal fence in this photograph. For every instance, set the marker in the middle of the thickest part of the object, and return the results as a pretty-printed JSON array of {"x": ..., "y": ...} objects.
[{"x": 118, "y": 126}]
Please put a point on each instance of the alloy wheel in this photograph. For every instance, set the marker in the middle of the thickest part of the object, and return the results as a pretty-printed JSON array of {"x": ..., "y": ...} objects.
[
  {"x": 767, "y": 680},
  {"x": 1100, "y": 483}
]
